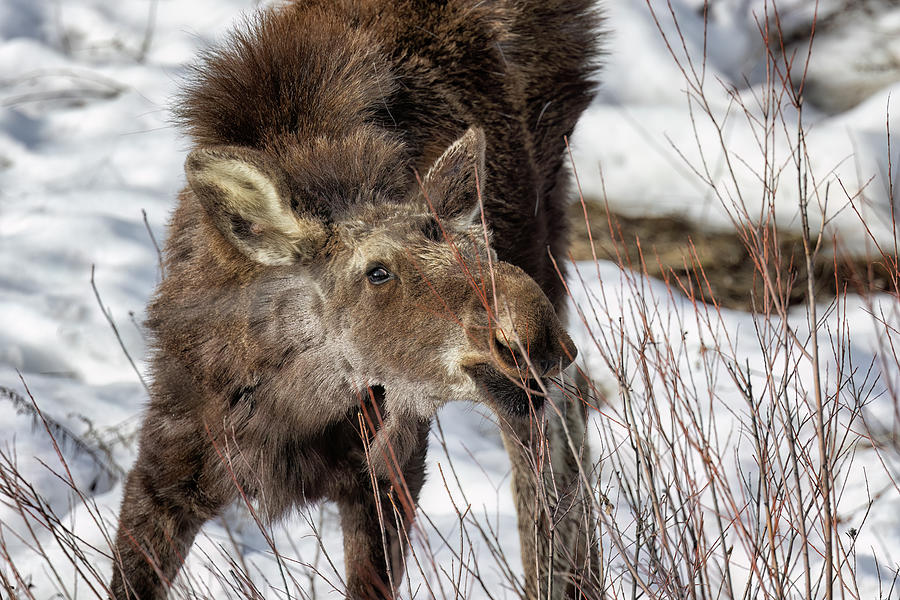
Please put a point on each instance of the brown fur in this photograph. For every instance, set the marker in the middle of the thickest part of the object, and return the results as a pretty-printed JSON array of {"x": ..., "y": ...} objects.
[{"x": 272, "y": 342}]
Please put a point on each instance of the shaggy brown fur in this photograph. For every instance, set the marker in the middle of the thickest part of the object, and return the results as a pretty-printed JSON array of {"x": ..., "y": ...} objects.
[{"x": 320, "y": 303}]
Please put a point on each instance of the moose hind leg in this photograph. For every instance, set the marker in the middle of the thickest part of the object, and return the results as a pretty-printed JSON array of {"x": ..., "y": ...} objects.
[
  {"x": 553, "y": 500},
  {"x": 569, "y": 484}
]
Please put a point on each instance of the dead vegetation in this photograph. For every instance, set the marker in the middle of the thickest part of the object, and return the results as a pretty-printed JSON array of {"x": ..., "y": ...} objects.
[{"x": 673, "y": 246}]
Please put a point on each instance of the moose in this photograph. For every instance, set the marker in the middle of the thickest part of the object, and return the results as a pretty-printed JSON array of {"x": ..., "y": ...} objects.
[{"x": 375, "y": 195}]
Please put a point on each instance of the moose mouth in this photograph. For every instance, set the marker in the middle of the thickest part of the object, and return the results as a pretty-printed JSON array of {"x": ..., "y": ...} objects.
[{"x": 517, "y": 398}]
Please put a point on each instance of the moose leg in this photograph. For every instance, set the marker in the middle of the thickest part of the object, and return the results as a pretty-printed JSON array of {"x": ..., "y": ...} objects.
[
  {"x": 169, "y": 494},
  {"x": 375, "y": 523},
  {"x": 553, "y": 500},
  {"x": 576, "y": 561}
]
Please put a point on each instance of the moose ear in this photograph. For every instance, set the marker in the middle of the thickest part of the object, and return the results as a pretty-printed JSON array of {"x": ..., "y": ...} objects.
[
  {"x": 247, "y": 197},
  {"x": 450, "y": 182}
]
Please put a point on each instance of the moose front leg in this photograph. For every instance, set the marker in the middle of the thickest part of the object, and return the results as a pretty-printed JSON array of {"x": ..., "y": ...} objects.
[
  {"x": 376, "y": 522},
  {"x": 172, "y": 490}
]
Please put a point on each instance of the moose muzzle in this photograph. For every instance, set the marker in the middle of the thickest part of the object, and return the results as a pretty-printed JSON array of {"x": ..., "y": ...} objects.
[{"x": 526, "y": 343}]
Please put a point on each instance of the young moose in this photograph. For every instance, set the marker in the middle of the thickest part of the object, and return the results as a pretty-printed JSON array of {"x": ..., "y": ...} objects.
[{"x": 321, "y": 299}]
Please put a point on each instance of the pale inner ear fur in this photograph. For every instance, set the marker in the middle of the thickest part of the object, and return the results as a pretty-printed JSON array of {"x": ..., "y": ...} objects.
[{"x": 250, "y": 210}]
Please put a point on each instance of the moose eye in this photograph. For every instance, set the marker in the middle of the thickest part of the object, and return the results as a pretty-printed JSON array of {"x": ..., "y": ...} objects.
[{"x": 379, "y": 275}]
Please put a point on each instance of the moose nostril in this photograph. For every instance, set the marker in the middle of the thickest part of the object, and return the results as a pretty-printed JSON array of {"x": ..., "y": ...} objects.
[
  {"x": 507, "y": 353},
  {"x": 500, "y": 339},
  {"x": 546, "y": 366}
]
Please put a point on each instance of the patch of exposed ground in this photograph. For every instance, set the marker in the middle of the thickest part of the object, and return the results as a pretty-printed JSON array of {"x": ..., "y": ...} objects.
[{"x": 718, "y": 265}]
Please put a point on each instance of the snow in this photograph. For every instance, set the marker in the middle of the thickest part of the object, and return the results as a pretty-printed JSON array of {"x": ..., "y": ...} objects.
[
  {"x": 649, "y": 145},
  {"x": 86, "y": 145}
]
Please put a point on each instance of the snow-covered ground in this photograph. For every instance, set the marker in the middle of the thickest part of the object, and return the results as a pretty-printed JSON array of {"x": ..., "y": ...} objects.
[
  {"x": 650, "y": 145},
  {"x": 90, "y": 166}
]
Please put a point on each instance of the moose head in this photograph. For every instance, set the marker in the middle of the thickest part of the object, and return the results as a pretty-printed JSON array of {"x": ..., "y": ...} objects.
[{"x": 394, "y": 278}]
